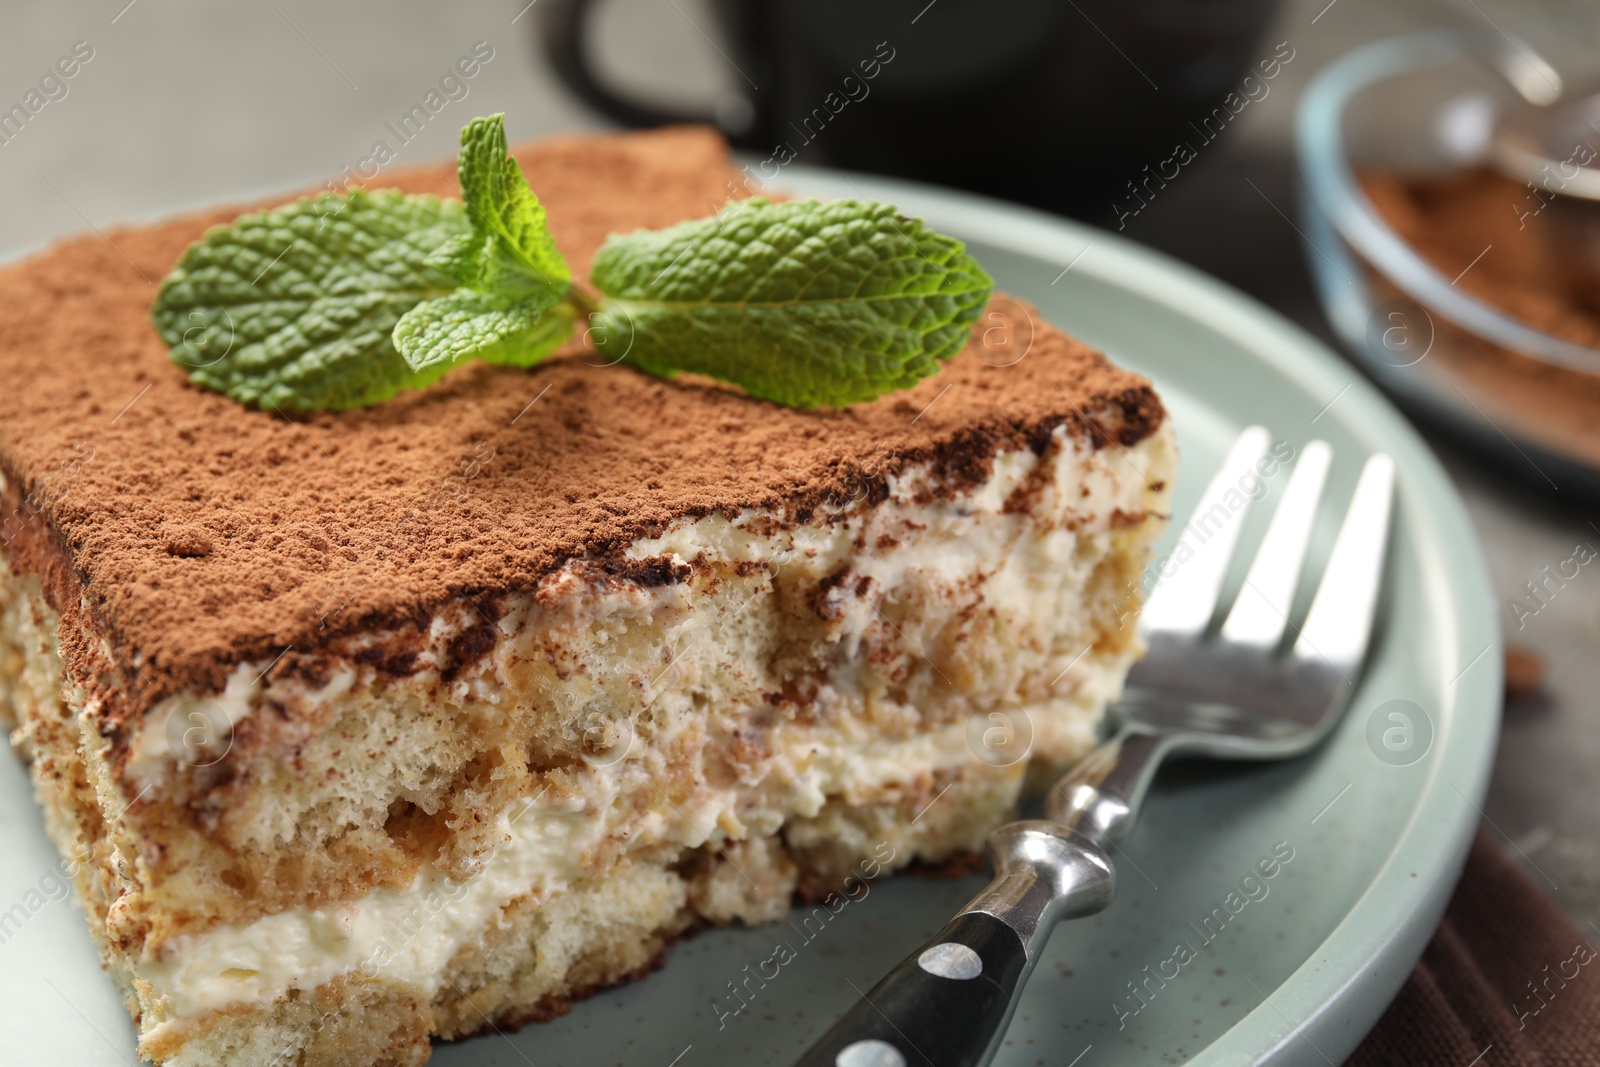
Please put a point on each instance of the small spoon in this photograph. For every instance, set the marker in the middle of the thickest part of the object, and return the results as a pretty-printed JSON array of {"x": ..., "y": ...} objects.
[{"x": 1549, "y": 138}]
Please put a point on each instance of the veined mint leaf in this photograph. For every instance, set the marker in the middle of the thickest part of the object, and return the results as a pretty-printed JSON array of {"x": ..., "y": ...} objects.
[
  {"x": 804, "y": 303},
  {"x": 458, "y": 257},
  {"x": 515, "y": 254},
  {"x": 295, "y": 307},
  {"x": 468, "y": 324}
]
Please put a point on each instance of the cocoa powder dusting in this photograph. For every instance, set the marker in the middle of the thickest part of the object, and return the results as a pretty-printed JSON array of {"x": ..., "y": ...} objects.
[
  {"x": 1488, "y": 226},
  {"x": 203, "y": 534}
]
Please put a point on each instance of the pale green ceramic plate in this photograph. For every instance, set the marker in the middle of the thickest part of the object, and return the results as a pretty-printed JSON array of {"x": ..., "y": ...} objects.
[{"x": 1378, "y": 831}]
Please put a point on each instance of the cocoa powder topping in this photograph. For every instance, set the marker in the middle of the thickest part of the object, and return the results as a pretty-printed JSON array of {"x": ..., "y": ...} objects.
[{"x": 205, "y": 534}]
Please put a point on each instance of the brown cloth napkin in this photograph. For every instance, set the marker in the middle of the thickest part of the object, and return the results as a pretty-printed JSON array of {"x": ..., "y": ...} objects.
[{"x": 1507, "y": 981}]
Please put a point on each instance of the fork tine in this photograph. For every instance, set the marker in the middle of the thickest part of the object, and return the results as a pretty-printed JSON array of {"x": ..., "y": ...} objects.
[
  {"x": 1185, "y": 599},
  {"x": 1261, "y": 612},
  {"x": 1340, "y": 621}
]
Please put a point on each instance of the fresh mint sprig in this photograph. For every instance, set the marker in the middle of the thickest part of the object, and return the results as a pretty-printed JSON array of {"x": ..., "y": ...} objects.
[{"x": 337, "y": 302}]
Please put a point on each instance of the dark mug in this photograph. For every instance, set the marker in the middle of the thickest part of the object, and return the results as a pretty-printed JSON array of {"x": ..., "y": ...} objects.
[{"x": 1066, "y": 105}]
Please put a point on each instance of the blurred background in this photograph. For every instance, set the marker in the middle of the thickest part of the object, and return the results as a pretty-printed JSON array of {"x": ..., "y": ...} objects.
[{"x": 176, "y": 103}]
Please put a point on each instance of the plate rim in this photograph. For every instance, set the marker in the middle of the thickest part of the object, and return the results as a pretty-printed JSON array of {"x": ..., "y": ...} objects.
[{"x": 1323, "y": 1004}]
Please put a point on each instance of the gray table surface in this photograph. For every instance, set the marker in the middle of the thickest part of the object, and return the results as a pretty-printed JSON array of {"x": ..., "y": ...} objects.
[{"x": 191, "y": 101}]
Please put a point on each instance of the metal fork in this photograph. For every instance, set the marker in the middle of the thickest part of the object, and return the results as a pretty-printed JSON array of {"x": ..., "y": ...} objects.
[{"x": 1237, "y": 695}]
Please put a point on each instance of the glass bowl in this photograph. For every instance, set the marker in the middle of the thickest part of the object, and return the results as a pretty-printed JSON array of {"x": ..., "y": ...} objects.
[{"x": 1425, "y": 106}]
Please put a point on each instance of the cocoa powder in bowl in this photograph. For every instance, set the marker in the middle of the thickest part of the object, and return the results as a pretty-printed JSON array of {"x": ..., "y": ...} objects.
[{"x": 1485, "y": 231}]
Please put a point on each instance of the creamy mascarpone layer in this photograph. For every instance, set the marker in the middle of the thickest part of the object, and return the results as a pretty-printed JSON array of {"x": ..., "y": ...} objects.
[{"x": 411, "y": 934}]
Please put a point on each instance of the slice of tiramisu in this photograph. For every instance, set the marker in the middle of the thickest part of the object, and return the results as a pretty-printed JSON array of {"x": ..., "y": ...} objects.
[{"x": 402, "y": 722}]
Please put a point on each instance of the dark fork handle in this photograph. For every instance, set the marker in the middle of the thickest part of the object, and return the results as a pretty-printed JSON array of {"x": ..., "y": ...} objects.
[
  {"x": 948, "y": 1004},
  {"x": 942, "y": 1007}
]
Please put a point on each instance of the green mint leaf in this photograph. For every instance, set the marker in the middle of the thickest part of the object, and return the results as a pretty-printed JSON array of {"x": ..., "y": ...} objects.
[
  {"x": 490, "y": 326},
  {"x": 515, "y": 254},
  {"x": 804, "y": 303},
  {"x": 458, "y": 258},
  {"x": 294, "y": 308}
]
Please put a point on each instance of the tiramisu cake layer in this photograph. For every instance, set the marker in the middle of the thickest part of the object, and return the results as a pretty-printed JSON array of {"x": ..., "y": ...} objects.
[{"x": 365, "y": 728}]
